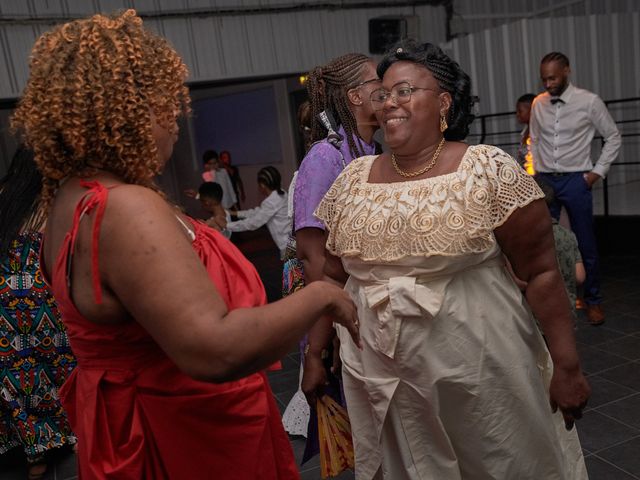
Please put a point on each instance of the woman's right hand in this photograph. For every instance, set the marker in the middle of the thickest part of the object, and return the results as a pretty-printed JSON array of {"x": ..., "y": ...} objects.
[{"x": 341, "y": 309}]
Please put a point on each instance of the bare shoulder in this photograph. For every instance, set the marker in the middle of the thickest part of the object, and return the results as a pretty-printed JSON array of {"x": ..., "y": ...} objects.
[
  {"x": 143, "y": 212},
  {"x": 129, "y": 199}
]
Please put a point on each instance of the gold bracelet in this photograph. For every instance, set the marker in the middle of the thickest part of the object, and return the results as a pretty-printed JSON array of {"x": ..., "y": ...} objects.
[{"x": 324, "y": 353}]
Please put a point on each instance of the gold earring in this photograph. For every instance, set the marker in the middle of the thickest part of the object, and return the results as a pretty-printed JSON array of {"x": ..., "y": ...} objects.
[{"x": 443, "y": 123}]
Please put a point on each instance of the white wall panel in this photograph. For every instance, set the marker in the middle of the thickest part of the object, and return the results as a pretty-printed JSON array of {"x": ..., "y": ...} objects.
[
  {"x": 207, "y": 42},
  {"x": 604, "y": 52},
  {"x": 18, "y": 39},
  {"x": 604, "y": 58},
  {"x": 286, "y": 41},
  {"x": 223, "y": 46}
]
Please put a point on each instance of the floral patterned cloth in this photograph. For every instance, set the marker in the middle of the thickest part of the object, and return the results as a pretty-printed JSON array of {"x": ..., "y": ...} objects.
[
  {"x": 35, "y": 357},
  {"x": 568, "y": 255}
]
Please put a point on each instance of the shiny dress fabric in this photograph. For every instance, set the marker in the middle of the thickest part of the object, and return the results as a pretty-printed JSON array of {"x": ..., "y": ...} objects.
[
  {"x": 138, "y": 416},
  {"x": 35, "y": 357},
  {"x": 453, "y": 379}
]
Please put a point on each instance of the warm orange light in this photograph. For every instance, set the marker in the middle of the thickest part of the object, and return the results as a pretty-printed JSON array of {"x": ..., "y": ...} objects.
[
  {"x": 528, "y": 159},
  {"x": 303, "y": 79}
]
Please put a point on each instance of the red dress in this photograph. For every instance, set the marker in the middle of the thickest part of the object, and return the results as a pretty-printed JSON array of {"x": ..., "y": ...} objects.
[{"x": 137, "y": 415}]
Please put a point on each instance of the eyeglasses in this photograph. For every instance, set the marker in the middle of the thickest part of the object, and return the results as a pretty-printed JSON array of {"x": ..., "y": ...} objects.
[
  {"x": 400, "y": 93},
  {"x": 371, "y": 80}
]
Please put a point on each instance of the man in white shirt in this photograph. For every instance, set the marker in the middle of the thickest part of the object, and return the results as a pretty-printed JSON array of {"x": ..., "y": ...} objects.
[
  {"x": 213, "y": 172},
  {"x": 564, "y": 120}
]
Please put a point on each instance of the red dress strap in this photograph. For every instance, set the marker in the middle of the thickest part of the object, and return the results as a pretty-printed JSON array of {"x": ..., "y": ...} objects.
[{"x": 94, "y": 199}]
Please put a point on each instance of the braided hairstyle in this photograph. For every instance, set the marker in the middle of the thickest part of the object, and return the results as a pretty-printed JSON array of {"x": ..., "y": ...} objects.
[
  {"x": 561, "y": 58},
  {"x": 93, "y": 87},
  {"x": 450, "y": 77},
  {"x": 327, "y": 87},
  {"x": 270, "y": 178}
]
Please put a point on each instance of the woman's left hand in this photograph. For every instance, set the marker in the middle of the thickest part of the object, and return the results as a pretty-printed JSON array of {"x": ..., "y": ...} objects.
[{"x": 569, "y": 391}]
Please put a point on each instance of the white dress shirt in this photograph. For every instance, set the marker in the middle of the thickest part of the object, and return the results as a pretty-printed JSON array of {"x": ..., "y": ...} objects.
[
  {"x": 561, "y": 133},
  {"x": 228, "y": 195},
  {"x": 273, "y": 211}
]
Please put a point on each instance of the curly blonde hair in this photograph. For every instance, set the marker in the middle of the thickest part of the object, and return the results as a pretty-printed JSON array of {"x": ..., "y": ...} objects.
[{"x": 94, "y": 85}]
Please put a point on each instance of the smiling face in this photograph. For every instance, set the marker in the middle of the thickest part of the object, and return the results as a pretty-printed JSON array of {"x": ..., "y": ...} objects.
[{"x": 409, "y": 127}]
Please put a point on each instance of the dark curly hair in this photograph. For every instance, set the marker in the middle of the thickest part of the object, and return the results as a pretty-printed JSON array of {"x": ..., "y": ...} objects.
[
  {"x": 447, "y": 73},
  {"x": 93, "y": 87}
]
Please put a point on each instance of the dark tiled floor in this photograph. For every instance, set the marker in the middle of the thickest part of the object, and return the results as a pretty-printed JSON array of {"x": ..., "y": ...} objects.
[{"x": 610, "y": 429}]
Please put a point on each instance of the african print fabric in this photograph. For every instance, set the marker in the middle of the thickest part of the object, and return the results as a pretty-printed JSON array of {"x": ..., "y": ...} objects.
[{"x": 35, "y": 357}]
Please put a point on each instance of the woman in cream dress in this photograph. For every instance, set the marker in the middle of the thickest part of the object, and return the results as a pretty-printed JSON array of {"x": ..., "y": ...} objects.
[{"x": 454, "y": 380}]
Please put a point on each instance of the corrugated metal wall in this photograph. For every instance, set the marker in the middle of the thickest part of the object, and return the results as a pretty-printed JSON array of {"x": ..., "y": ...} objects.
[
  {"x": 218, "y": 47},
  {"x": 227, "y": 39},
  {"x": 230, "y": 39},
  {"x": 477, "y": 15},
  {"x": 504, "y": 61},
  {"x": 604, "y": 51}
]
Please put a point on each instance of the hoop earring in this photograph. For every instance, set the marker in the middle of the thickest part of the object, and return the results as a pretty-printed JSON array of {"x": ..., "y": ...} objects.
[{"x": 443, "y": 124}]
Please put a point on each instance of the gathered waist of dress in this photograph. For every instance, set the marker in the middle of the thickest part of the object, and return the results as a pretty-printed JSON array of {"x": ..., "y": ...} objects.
[
  {"x": 116, "y": 356},
  {"x": 381, "y": 274},
  {"x": 406, "y": 293}
]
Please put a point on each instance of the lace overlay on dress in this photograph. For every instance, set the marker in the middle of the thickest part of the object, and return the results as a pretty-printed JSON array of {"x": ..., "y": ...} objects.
[{"x": 452, "y": 214}]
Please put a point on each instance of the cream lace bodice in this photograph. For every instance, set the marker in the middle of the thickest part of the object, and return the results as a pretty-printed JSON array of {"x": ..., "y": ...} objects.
[{"x": 452, "y": 214}]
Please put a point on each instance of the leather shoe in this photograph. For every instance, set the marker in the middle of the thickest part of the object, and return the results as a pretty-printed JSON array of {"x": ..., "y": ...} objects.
[
  {"x": 595, "y": 314},
  {"x": 580, "y": 305}
]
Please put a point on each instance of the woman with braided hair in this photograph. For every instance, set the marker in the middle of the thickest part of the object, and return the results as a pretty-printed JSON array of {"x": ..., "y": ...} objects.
[
  {"x": 272, "y": 211},
  {"x": 35, "y": 357},
  {"x": 339, "y": 89},
  {"x": 454, "y": 379},
  {"x": 157, "y": 306}
]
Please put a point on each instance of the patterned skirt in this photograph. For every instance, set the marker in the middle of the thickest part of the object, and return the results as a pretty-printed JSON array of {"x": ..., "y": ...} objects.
[{"x": 35, "y": 357}]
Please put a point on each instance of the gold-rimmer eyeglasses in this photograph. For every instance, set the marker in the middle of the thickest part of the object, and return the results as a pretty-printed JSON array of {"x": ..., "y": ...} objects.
[{"x": 400, "y": 93}]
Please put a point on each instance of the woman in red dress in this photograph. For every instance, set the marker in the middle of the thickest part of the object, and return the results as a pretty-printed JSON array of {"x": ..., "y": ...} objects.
[{"x": 166, "y": 318}]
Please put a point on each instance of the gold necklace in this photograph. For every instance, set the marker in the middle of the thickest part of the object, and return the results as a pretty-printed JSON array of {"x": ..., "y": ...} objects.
[{"x": 424, "y": 169}]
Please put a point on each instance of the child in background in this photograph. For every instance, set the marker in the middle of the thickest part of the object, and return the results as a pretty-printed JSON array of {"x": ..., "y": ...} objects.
[
  {"x": 210, "y": 196},
  {"x": 272, "y": 212},
  {"x": 567, "y": 254},
  {"x": 214, "y": 173},
  {"x": 523, "y": 114}
]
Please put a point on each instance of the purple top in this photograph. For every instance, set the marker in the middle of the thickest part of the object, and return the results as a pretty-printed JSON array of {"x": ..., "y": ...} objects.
[{"x": 319, "y": 169}]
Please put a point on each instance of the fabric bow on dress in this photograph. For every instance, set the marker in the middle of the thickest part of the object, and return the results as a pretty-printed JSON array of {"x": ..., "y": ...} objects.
[{"x": 400, "y": 297}]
